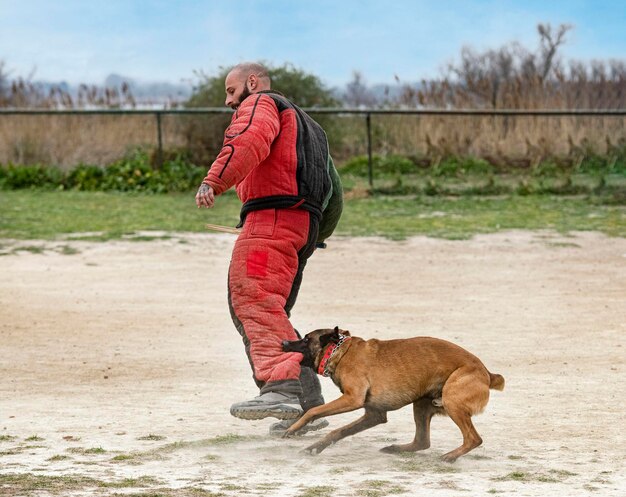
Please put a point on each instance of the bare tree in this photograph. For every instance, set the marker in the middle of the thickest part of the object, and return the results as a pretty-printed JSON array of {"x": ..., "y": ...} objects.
[
  {"x": 4, "y": 85},
  {"x": 357, "y": 93},
  {"x": 549, "y": 44}
]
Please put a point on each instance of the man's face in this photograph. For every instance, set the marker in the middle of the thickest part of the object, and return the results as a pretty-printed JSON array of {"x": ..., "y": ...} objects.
[{"x": 236, "y": 89}]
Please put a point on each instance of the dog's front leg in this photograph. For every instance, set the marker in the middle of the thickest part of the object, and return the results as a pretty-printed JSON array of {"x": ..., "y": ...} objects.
[
  {"x": 368, "y": 420},
  {"x": 347, "y": 402}
]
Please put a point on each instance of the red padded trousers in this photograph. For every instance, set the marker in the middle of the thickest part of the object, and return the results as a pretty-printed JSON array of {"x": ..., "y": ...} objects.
[{"x": 264, "y": 277}]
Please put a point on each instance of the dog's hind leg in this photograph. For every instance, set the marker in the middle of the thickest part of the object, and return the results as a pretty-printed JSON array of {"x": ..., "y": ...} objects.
[
  {"x": 368, "y": 420},
  {"x": 465, "y": 393},
  {"x": 423, "y": 411}
]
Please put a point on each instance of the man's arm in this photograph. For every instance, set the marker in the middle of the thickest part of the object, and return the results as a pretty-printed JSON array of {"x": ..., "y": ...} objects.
[{"x": 247, "y": 143}]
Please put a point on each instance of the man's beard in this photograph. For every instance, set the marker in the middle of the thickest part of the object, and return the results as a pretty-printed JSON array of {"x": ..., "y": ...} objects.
[{"x": 244, "y": 94}]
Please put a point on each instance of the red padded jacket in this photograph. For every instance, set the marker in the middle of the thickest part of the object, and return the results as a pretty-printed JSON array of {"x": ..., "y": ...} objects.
[{"x": 275, "y": 155}]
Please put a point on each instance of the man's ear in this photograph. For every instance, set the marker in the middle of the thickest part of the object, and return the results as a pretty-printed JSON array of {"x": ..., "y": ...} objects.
[{"x": 252, "y": 82}]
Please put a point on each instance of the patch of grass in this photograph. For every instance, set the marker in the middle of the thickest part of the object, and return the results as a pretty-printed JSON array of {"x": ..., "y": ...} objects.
[
  {"x": 142, "y": 481},
  {"x": 152, "y": 437},
  {"x": 229, "y": 438},
  {"x": 95, "y": 450},
  {"x": 12, "y": 452},
  {"x": 7, "y": 438},
  {"x": 157, "y": 452},
  {"x": 562, "y": 473},
  {"x": 514, "y": 476},
  {"x": 49, "y": 215},
  {"x": 33, "y": 249},
  {"x": 379, "y": 488},
  {"x": 590, "y": 488},
  {"x": 552, "y": 476},
  {"x": 562, "y": 245},
  {"x": 268, "y": 486},
  {"x": 67, "y": 250},
  {"x": 171, "y": 492},
  {"x": 232, "y": 487},
  {"x": 58, "y": 458},
  {"x": 126, "y": 458},
  {"x": 84, "y": 451},
  {"x": 28, "y": 214},
  {"x": 412, "y": 463},
  {"x": 463, "y": 217},
  {"x": 28, "y": 482},
  {"x": 147, "y": 238},
  {"x": 317, "y": 491},
  {"x": 34, "y": 438},
  {"x": 547, "y": 479}
]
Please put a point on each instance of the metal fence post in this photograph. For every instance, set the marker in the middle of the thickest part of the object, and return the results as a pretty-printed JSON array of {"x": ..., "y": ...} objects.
[
  {"x": 159, "y": 161},
  {"x": 370, "y": 166}
]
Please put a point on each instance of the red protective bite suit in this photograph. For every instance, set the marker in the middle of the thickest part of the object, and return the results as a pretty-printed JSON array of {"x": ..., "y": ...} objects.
[{"x": 277, "y": 157}]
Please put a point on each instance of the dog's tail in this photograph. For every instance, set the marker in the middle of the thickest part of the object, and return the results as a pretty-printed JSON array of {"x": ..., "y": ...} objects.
[{"x": 496, "y": 381}]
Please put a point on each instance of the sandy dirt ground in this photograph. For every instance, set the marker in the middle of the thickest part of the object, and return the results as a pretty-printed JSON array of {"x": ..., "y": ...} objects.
[{"x": 119, "y": 363}]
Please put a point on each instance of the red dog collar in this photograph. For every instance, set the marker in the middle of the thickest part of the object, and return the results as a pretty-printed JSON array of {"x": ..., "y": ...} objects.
[{"x": 328, "y": 353}]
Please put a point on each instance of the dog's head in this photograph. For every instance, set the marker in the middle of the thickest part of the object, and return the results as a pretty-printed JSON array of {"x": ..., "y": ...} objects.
[{"x": 313, "y": 344}]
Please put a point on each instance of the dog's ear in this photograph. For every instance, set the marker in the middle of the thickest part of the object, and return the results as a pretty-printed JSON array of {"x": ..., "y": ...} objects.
[
  {"x": 332, "y": 337},
  {"x": 341, "y": 332}
]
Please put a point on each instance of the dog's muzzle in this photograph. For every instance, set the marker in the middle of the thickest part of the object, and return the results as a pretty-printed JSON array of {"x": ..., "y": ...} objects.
[{"x": 292, "y": 346}]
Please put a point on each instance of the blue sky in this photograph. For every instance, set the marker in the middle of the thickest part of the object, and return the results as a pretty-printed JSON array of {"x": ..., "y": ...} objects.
[{"x": 160, "y": 40}]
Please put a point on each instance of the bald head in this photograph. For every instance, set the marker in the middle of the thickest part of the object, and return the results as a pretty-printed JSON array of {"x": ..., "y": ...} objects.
[{"x": 243, "y": 80}]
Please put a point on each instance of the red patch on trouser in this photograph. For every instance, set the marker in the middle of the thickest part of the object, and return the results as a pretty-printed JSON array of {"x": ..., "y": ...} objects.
[
  {"x": 256, "y": 263},
  {"x": 261, "y": 275}
]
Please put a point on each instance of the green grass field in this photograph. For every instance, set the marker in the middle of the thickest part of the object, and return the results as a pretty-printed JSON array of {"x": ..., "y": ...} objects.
[{"x": 47, "y": 215}]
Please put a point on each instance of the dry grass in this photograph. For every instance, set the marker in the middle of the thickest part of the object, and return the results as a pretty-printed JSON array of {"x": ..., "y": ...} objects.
[{"x": 516, "y": 141}]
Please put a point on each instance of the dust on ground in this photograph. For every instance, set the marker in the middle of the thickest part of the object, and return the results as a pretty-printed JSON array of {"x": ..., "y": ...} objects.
[{"x": 119, "y": 363}]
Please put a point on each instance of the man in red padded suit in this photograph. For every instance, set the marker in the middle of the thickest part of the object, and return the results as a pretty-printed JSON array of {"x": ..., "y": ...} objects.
[{"x": 277, "y": 157}]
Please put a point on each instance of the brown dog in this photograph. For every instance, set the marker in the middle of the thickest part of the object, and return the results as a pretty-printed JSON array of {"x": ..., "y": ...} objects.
[{"x": 436, "y": 376}]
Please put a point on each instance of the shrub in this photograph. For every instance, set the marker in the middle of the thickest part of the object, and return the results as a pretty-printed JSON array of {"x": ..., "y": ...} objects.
[
  {"x": 132, "y": 173},
  {"x": 37, "y": 176},
  {"x": 85, "y": 177}
]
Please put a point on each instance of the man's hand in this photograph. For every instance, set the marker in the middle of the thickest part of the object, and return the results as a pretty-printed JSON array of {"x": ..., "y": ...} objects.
[{"x": 205, "y": 196}]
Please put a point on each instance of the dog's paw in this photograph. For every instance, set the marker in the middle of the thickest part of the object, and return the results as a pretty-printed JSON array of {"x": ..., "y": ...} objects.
[
  {"x": 313, "y": 450},
  {"x": 289, "y": 434},
  {"x": 390, "y": 449},
  {"x": 449, "y": 457}
]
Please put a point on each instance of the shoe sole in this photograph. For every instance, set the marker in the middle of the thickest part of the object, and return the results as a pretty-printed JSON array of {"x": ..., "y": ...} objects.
[
  {"x": 304, "y": 430},
  {"x": 280, "y": 411}
]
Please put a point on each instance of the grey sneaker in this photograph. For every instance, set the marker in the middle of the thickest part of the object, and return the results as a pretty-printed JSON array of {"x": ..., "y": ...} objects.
[
  {"x": 279, "y": 429},
  {"x": 271, "y": 404}
]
